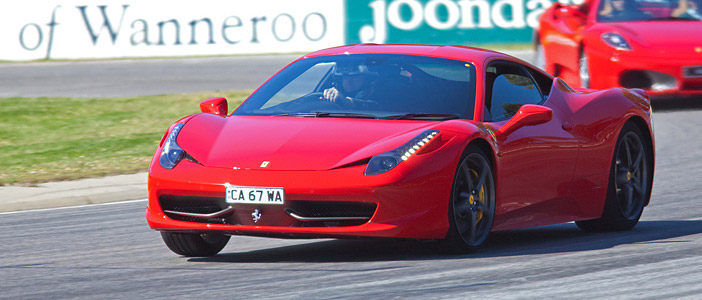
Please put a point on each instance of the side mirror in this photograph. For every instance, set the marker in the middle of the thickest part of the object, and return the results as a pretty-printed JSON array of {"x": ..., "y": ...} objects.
[
  {"x": 217, "y": 106},
  {"x": 528, "y": 114},
  {"x": 567, "y": 11}
]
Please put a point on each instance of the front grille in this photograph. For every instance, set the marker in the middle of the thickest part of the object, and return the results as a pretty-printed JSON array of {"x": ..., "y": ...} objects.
[
  {"x": 647, "y": 80},
  {"x": 194, "y": 205},
  {"x": 295, "y": 213},
  {"x": 330, "y": 213}
]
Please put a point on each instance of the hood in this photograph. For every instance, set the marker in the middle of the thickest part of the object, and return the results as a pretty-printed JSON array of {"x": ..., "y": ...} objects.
[
  {"x": 291, "y": 143},
  {"x": 661, "y": 37}
]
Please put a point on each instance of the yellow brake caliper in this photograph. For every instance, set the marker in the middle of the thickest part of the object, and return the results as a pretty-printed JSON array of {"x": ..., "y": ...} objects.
[{"x": 481, "y": 197}]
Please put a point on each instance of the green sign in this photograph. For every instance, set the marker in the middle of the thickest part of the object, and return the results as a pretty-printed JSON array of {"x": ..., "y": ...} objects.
[{"x": 461, "y": 22}]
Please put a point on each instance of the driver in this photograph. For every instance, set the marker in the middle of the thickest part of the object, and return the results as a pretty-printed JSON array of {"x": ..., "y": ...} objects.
[
  {"x": 622, "y": 10},
  {"x": 355, "y": 85},
  {"x": 688, "y": 9}
]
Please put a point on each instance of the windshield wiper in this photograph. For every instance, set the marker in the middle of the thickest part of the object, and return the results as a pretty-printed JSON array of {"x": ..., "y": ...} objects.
[
  {"x": 437, "y": 117},
  {"x": 344, "y": 115},
  {"x": 321, "y": 114},
  {"x": 297, "y": 114}
]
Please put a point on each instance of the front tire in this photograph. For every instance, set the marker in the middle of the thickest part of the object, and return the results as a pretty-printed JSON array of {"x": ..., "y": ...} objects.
[
  {"x": 584, "y": 70},
  {"x": 472, "y": 203},
  {"x": 193, "y": 244},
  {"x": 539, "y": 54},
  {"x": 630, "y": 181}
]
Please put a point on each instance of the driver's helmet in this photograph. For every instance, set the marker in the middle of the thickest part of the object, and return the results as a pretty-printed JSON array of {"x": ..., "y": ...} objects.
[{"x": 350, "y": 68}]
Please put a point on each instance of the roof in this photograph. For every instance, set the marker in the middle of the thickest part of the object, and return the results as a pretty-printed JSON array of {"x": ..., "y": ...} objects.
[{"x": 443, "y": 51}]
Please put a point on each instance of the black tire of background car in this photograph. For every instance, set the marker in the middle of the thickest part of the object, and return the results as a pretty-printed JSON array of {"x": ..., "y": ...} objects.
[
  {"x": 539, "y": 54},
  {"x": 193, "y": 244},
  {"x": 584, "y": 74},
  {"x": 619, "y": 214}
]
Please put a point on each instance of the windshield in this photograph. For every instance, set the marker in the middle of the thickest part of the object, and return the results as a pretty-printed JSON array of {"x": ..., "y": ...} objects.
[
  {"x": 648, "y": 10},
  {"x": 368, "y": 86}
]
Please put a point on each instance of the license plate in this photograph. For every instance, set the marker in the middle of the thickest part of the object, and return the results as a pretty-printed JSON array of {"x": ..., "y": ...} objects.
[
  {"x": 255, "y": 195},
  {"x": 693, "y": 71}
]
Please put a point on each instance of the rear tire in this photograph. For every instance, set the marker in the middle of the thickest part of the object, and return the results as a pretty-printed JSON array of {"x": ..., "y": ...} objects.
[
  {"x": 472, "y": 203},
  {"x": 630, "y": 181},
  {"x": 195, "y": 245}
]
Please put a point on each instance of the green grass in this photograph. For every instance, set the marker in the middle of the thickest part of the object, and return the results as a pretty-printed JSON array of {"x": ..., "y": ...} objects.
[{"x": 49, "y": 139}]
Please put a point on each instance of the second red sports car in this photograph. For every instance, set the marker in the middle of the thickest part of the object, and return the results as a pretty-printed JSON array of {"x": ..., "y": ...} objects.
[
  {"x": 402, "y": 141},
  {"x": 655, "y": 45}
]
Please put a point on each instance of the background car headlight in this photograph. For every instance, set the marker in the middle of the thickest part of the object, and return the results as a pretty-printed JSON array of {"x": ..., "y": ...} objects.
[
  {"x": 171, "y": 153},
  {"x": 615, "y": 40},
  {"x": 384, "y": 162}
]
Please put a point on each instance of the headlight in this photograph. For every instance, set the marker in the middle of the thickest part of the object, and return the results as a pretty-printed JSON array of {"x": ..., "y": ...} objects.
[
  {"x": 171, "y": 153},
  {"x": 615, "y": 40},
  {"x": 384, "y": 162}
]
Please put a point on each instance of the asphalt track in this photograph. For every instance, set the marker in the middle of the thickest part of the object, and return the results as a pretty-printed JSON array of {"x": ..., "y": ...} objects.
[
  {"x": 137, "y": 77},
  {"x": 107, "y": 251}
]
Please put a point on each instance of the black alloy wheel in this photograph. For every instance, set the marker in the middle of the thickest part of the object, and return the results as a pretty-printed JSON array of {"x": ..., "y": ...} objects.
[
  {"x": 630, "y": 183},
  {"x": 472, "y": 203}
]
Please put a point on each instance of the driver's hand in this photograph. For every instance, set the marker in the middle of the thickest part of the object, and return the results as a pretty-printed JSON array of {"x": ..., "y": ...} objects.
[{"x": 332, "y": 95}]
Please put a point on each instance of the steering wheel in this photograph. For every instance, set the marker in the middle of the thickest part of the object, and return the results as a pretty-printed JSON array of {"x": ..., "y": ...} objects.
[{"x": 314, "y": 101}]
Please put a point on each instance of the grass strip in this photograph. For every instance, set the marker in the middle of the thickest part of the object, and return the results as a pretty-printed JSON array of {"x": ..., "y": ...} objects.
[{"x": 51, "y": 139}]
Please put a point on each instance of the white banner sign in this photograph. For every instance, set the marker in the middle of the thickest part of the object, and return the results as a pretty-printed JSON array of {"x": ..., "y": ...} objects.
[{"x": 76, "y": 29}]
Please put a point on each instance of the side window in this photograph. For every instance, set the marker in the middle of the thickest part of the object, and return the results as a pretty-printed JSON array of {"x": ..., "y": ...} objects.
[
  {"x": 544, "y": 82},
  {"x": 508, "y": 87}
]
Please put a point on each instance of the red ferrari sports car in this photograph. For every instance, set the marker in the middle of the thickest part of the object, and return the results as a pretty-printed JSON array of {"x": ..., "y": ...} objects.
[
  {"x": 655, "y": 45},
  {"x": 441, "y": 143}
]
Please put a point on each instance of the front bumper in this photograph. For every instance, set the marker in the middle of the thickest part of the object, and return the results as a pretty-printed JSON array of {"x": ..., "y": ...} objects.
[
  {"x": 410, "y": 201},
  {"x": 658, "y": 74}
]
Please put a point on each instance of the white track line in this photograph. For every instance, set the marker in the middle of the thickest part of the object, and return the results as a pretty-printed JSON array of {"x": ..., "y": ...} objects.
[{"x": 68, "y": 207}]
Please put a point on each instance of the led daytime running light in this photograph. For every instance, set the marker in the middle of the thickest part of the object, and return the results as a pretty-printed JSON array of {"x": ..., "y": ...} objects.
[
  {"x": 412, "y": 146},
  {"x": 384, "y": 162}
]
